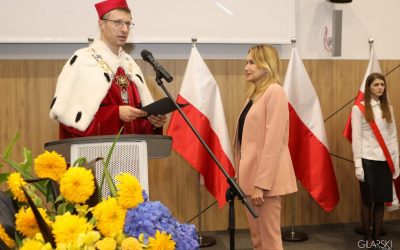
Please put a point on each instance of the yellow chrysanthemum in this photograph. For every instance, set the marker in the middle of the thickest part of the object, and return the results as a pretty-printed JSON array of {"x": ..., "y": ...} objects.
[
  {"x": 110, "y": 217},
  {"x": 77, "y": 184},
  {"x": 106, "y": 244},
  {"x": 25, "y": 221},
  {"x": 161, "y": 241},
  {"x": 67, "y": 227},
  {"x": 39, "y": 238},
  {"x": 46, "y": 246},
  {"x": 61, "y": 246},
  {"x": 129, "y": 191},
  {"x": 14, "y": 182},
  {"x": 31, "y": 244},
  {"x": 50, "y": 165},
  {"x": 131, "y": 243},
  {"x": 88, "y": 239},
  {"x": 6, "y": 238},
  {"x": 119, "y": 237}
]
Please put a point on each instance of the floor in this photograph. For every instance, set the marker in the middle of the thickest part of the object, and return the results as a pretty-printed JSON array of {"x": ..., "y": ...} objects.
[{"x": 319, "y": 237}]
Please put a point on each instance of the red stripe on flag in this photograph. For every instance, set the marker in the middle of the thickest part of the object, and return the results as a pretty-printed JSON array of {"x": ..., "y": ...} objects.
[
  {"x": 189, "y": 147},
  {"x": 347, "y": 128},
  {"x": 306, "y": 150}
]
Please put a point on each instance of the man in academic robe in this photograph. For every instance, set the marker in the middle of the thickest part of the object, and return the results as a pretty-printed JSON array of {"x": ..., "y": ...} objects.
[{"x": 101, "y": 89}]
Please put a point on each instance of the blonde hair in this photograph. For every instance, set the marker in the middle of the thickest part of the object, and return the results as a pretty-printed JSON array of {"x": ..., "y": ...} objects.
[{"x": 265, "y": 57}]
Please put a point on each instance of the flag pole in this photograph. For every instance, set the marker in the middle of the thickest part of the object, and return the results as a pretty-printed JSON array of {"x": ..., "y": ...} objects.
[
  {"x": 293, "y": 236},
  {"x": 204, "y": 241},
  {"x": 371, "y": 43}
]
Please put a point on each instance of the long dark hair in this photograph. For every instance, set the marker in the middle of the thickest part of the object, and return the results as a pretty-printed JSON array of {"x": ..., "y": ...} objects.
[{"x": 369, "y": 115}]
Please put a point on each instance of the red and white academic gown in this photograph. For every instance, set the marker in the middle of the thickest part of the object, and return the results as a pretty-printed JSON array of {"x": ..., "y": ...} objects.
[{"x": 91, "y": 87}]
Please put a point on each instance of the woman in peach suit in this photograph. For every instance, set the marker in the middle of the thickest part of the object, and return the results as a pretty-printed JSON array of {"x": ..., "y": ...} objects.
[{"x": 264, "y": 169}]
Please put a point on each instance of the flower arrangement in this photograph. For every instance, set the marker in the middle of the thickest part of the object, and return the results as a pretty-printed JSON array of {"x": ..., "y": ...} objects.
[{"x": 57, "y": 209}]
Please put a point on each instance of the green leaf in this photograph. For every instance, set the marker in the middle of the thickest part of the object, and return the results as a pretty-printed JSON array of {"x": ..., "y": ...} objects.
[
  {"x": 106, "y": 173},
  {"x": 59, "y": 199},
  {"x": 38, "y": 184},
  {"x": 10, "y": 146},
  {"x": 18, "y": 168},
  {"x": 13, "y": 164},
  {"x": 26, "y": 175},
  {"x": 18, "y": 238},
  {"x": 92, "y": 221},
  {"x": 52, "y": 191},
  {"x": 28, "y": 162},
  {"x": 25, "y": 168},
  {"x": 37, "y": 201},
  {"x": 62, "y": 208},
  {"x": 81, "y": 161},
  {"x": 4, "y": 177},
  {"x": 65, "y": 207}
]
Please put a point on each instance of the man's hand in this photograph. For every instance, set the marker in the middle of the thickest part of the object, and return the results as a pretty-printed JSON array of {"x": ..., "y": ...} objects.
[
  {"x": 129, "y": 113},
  {"x": 157, "y": 120}
]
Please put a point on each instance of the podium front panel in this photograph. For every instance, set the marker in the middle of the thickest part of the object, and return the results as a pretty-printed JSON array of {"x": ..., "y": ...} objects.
[
  {"x": 158, "y": 146},
  {"x": 127, "y": 157}
]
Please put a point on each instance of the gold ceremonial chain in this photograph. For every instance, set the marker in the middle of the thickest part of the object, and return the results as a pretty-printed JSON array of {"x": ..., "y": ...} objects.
[
  {"x": 122, "y": 80},
  {"x": 101, "y": 62}
]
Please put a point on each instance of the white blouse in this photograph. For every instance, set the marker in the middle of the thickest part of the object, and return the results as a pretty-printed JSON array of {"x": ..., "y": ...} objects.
[{"x": 364, "y": 142}]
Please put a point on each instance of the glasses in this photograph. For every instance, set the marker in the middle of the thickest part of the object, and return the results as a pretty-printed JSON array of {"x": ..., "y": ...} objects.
[{"x": 121, "y": 23}]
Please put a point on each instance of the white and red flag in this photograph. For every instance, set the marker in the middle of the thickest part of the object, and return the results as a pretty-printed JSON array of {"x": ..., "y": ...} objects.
[
  {"x": 373, "y": 67},
  {"x": 308, "y": 143},
  {"x": 205, "y": 111}
]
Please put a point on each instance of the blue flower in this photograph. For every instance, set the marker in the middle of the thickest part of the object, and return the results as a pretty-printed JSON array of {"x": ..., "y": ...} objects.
[
  {"x": 145, "y": 196},
  {"x": 149, "y": 217}
]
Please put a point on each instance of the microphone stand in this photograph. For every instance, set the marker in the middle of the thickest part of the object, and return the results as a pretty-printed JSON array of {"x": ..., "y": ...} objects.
[{"x": 234, "y": 189}]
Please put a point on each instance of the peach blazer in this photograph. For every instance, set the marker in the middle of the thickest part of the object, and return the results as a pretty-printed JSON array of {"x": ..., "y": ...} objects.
[{"x": 263, "y": 159}]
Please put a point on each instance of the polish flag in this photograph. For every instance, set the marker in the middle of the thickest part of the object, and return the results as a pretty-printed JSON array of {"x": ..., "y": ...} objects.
[
  {"x": 373, "y": 66},
  {"x": 205, "y": 111},
  {"x": 308, "y": 144}
]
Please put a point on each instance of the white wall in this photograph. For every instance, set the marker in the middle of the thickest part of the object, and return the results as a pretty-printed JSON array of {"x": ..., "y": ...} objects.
[
  {"x": 158, "y": 21},
  {"x": 379, "y": 19},
  {"x": 362, "y": 19}
]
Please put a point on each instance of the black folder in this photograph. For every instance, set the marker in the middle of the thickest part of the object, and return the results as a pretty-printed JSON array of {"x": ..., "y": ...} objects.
[{"x": 161, "y": 107}]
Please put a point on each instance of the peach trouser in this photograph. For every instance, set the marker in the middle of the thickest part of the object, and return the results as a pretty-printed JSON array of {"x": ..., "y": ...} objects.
[{"x": 266, "y": 229}]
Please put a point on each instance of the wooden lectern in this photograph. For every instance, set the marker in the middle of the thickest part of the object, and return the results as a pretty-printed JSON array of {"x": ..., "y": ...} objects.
[{"x": 130, "y": 154}]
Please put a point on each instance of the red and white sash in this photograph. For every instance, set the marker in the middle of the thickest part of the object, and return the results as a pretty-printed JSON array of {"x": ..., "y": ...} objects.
[{"x": 380, "y": 139}]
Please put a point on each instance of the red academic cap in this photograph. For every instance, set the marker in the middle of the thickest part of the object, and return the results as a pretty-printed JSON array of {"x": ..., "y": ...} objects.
[{"x": 107, "y": 5}]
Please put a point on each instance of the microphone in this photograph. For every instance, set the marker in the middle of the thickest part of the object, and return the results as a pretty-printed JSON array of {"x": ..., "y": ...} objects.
[{"x": 148, "y": 57}]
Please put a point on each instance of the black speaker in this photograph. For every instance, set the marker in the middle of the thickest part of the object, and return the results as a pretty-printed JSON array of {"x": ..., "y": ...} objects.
[{"x": 340, "y": 1}]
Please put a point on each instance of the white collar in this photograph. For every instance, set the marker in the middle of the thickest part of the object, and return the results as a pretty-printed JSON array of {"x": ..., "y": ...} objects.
[
  {"x": 114, "y": 61},
  {"x": 374, "y": 103},
  {"x": 100, "y": 45}
]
